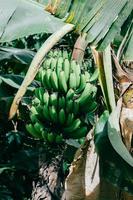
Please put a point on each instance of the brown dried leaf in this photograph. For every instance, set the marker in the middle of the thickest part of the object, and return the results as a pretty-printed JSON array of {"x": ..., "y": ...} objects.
[{"x": 83, "y": 180}]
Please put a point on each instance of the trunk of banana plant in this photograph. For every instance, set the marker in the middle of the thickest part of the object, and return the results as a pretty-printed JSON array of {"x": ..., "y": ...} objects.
[{"x": 49, "y": 184}]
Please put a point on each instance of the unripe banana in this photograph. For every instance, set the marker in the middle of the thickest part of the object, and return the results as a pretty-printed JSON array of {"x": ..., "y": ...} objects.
[
  {"x": 74, "y": 126},
  {"x": 75, "y": 108},
  {"x": 72, "y": 81},
  {"x": 39, "y": 128},
  {"x": 87, "y": 76},
  {"x": 77, "y": 75},
  {"x": 54, "y": 80},
  {"x": 53, "y": 99},
  {"x": 33, "y": 110},
  {"x": 55, "y": 53},
  {"x": 65, "y": 54},
  {"x": 69, "y": 106},
  {"x": 36, "y": 101},
  {"x": 51, "y": 138},
  {"x": 30, "y": 128},
  {"x": 43, "y": 72},
  {"x": 60, "y": 55},
  {"x": 39, "y": 93},
  {"x": 66, "y": 68},
  {"x": 82, "y": 84},
  {"x": 70, "y": 94},
  {"x": 61, "y": 102},
  {"x": 59, "y": 139},
  {"x": 86, "y": 94},
  {"x": 79, "y": 133},
  {"x": 39, "y": 109},
  {"x": 47, "y": 63},
  {"x": 33, "y": 118},
  {"x": 70, "y": 119},
  {"x": 53, "y": 114},
  {"x": 62, "y": 82},
  {"x": 59, "y": 66},
  {"x": 47, "y": 78},
  {"x": 95, "y": 75},
  {"x": 46, "y": 98},
  {"x": 53, "y": 63},
  {"x": 45, "y": 135},
  {"x": 62, "y": 116},
  {"x": 46, "y": 113}
]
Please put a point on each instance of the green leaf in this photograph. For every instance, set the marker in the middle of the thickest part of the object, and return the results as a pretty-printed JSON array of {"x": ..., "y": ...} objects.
[
  {"x": 24, "y": 18},
  {"x": 128, "y": 54},
  {"x": 109, "y": 76},
  {"x": 116, "y": 25},
  {"x": 114, "y": 135},
  {"x": 15, "y": 81},
  {"x": 22, "y": 56}
]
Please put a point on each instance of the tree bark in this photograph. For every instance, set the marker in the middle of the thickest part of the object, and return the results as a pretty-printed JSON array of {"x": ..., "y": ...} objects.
[{"x": 49, "y": 185}]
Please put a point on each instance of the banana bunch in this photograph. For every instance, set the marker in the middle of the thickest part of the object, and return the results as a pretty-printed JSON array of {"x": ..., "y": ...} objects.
[{"x": 61, "y": 103}]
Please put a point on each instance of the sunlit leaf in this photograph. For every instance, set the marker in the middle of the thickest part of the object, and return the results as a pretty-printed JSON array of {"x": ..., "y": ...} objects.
[{"x": 23, "y": 18}]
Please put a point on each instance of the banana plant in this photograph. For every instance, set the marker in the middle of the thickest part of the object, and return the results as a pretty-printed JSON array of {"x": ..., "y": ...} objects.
[
  {"x": 100, "y": 29},
  {"x": 98, "y": 20}
]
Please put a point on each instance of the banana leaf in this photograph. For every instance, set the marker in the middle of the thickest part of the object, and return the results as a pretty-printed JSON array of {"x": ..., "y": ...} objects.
[{"x": 20, "y": 18}]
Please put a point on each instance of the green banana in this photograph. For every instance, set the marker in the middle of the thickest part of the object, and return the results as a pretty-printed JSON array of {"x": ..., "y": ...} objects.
[
  {"x": 47, "y": 63},
  {"x": 30, "y": 128},
  {"x": 62, "y": 116},
  {"x": 47, "y": 78},
  {"x": 43, "y": 72},
  {"x": 79, "y": 133},
  {"x": 95, "y": 75},
  {"x": 53, "y": 114},
  {"x": 45, "y": 135},
  {"x": 61, "y": 102},
  {"x": 53, "y": 63},
  {"x": 53, "y": 99},
  {"x": 59, "y": 139},
  {"x": 70, "y": 119},
  {"x": 55, "y": 53},
  {"x": 46, "y": 98},
  {"x": 76, "y": 69},
  {"x": 51, "y": 138},
  {"x": 62, "y": 82},
  {"x": 65, "y": 54},
  {"x": 74, "y": 126},
  {"x": 59, "y": 54},
  {"x": 54, "y": 80},
  {"x": 70, "y": 94},
  {"x": 66, "y": 68},
  {"x": 35, "y": 101},
  {"x": 46, "y": 113},
  {"x": 75, "y": 108},
  {"x": 39, "y": 109},
  {"x": 33, "y": 110},
  {"x": 87, "y": 92},
  {"x": 59, "y": 66},
  {"x": 39, "y": 128},
  {"x": 39, "y": 93},
  {"x": 82, "y": 84},
  {"x": 87, "y": 76},
  {"x": 69, "y": 106},
  {"x": 72, "y": 81},
  {"x": 33, "y": 118}
]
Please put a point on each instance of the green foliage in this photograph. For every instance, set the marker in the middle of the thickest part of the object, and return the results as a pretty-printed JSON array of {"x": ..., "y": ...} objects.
[{"x": 24, "y": 18}]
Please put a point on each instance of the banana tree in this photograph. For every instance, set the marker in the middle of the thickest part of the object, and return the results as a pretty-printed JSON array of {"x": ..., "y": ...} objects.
[{"x": 97, "y": 23}]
